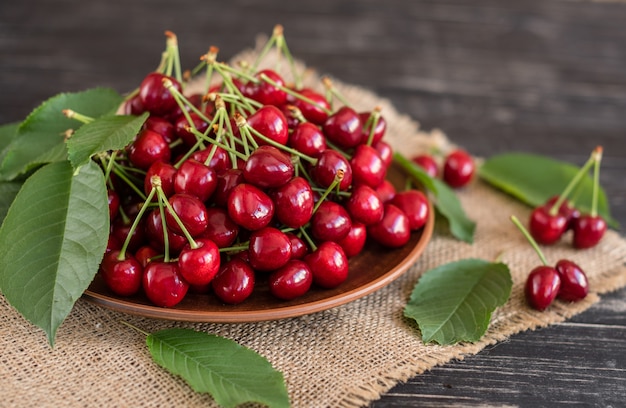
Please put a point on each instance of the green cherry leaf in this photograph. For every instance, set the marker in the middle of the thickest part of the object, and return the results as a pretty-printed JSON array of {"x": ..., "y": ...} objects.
[
  {"x": 454, "y": 302},
  {"x": 231, "y": 373},
  {"x": 103, "y": 134},
  {"x": 52, "y": 240},
  {"x": 533, "y": 179},
  {"x": 44, "y": 129},
  {"x": 445, "y": 200},
  {"x": 7, "y": 134}
]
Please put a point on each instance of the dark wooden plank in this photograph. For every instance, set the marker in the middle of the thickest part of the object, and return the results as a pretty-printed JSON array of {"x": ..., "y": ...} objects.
[{"x": 545, "y": 76}]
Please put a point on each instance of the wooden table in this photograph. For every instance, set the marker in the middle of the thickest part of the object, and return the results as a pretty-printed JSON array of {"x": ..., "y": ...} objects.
[{"x": 544, "y": 76}]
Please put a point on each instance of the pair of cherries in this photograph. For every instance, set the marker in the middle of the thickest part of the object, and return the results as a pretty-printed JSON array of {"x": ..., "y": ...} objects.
[
  {"x": 549, "y": 222},
  {"x": 457, "y": 171},
  {"x": 566, "y": 280}
]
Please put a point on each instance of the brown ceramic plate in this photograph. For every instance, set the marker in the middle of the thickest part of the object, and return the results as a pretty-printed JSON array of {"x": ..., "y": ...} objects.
[{"x": 371, "y": 270}]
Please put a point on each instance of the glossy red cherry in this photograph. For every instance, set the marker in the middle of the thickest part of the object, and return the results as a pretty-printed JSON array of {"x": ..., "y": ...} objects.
[
  {"x": 182, "y": 125},
  {"x": 220, "y": 228},
  {"x": 155, "y": 97},
  {"x": 331, "y": 222},
  {"x": 219, "y": 159},
  {"x": 308, "y": 139},
  {"x": 415, "y": 205},
  {"x": 588, "y": 231},
  {"x": 265, "y": 92},
  {"x": 154, "y": 234},
  {"x": 166, "y": 173},
  {"x": 574, "y": 283},
  {"x": 234, "y": 282},
  {"x": 386, "y": 191},
  {"x": 364, "y": 205},
  {"x": 542, "y": 287},
  {"x": 268, "y": 167},
  {"x": 458, "y": 169},
  {"x": 133, "y": 106},
  {"x": 147, "y": 254},
  {"x": 148, "y": 147},
  {"x": 114, "y": 203},
  {"x": 367, "y": 166},
  {"x": 269, "y": 249},
  {"x": 328, "y": 264},
  {"x": 250, "y": 207},
  {"x": 545, "y": 227},
  {"x": 299, "y": 248},
  {"x": 385, "y": 152},
  {"x": 328, "y": 164},
  {"x": 226, "y": 181},
  {"x": 353, "y": 243},
  {"x": 163, "y": 283},
  {"x": 199, "y": 265},
  {"x": 566, "y": 209},
  {"x": 344, "y": 128},
  {"x": 293, "y": 203},
  {"x": 121, "y": 228},
  {"x": 112, "y": 244},
  {"x": 291, "y": 281},
  {"x": 427, "y": 163},
  {"x": 191, "y": 211},
  {"x": 271, "y": 123},
  {"x": 315, "y": 112},
  {"x": 368, "y": 122},
  {"x": 162, "y": 126},
  {"x": 393, "y": 231},
  {"x": 122, "y": 276},
  {"x": 196, "y": 179}
]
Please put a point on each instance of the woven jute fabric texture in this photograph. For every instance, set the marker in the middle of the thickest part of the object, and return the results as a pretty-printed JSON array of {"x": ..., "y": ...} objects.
[{"x": 343, "y": 357}]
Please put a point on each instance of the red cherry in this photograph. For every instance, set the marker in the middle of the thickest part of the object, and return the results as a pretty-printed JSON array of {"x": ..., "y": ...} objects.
[
  {"x": 328, "y": 264},
  {"x": 182, "y": 124},
  {"x": 367, "y": 166},
  {"x": 163, "y": 283},
  {"x": 354, "y": 242},
  {"x": 566, "y": 209},
  {"x": 146, "y": 254},
  {"x": 293, "y": 203},
  {"x": 588, "y": 231},
  {"x": 148, "y": 147},
  {"x": 196, "y": 179},
  {"x": 458, "y": 169},
  {"x": 330, "y": 222},
  {"x": 226, "y": 181},
  {"x": 250, "y": 207},
  {"x": 393, "y": 230},
  {"x": 166, "y": 173},
  {"x": 299, "y": 248},
  {"x": 379, "y": 132},
  {"x": 191, "y": 211},
  {"x": 291, "y": 281},
  {"x": 315, "y": 113},
  {"x": 114, "y": 203},
  {"x": 199, "y": 265},
  {"x": 162, "y": 126},
  {"x": 428, "y": 164},
  {"x": 385, "y": 152},
  {"x": 133, "y": 106},
  {"x": 120, "y": 229},
  {"x": 123, "y": 276},
  {"x": 265, "y": 92},
  {"x": 364, "y": 205},
  {"x": 112, "y": 244},
  {"x": 155, "y": 97},
  {"x": 344, "y": 128},
  {"x": 542, "y": 286},
  {"x": 154, "y": 233},
  {"x": 234, "y": 282},
  {"x": 386, "y": 191},
  {"x": 574, "y": 284},
  {"x": 415, "y": 205},
  {"x": 327, "y": 167},
  {"x": 308, "y": 139},
  {"x": 269, "y": 249},
  {"x": 268, "y": 167},
  {"x": 219, "y": 161},
  {"x": 271, "y": 123},
  {"x": 546, "y": 228},
  {"x": 220, "y": 228}
]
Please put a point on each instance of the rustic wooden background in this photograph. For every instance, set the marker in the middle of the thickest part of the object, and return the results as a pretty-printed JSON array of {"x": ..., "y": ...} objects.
[{"x": 545, "y": 76}]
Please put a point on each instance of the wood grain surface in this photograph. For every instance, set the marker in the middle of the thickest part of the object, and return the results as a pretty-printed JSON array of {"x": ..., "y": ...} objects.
[{"x": 544, "y": 76}]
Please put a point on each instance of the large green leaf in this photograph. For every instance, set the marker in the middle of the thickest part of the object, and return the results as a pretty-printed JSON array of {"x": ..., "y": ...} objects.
[
  {"x": 533, "y": 179},
  {"x": 101, "y": 135},
  {"x": 52, "y": 241},
  {"x": 44, "y": 129},
  {"x": 445, "y": 200},
  {"x": 231, "y": 373},
  {"x": 454, "y": 302},
  {"x": 7, "y": 134}
]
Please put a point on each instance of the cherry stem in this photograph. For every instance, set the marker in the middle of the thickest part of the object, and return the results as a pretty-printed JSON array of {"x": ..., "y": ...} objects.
[
  {"x": 574, "y": 182},
  {"x": 145, "y": 333},
  {"x": 308, "y": 239},
  {"x": 173, "y": 55},
  {"x": 228, "y": 82},
  {"x": 134, "y": 225},
  {"x": 119, "y": 172},
  {"x": 372, "y": 120},
  {"x": 163, "y": 198},
  {"x": 294, "y": 93},
  {"x": 335, "y": 183},
  {"x": 235, "y": 248},
  {"x": 328, "y": 83},
  {"x": 70, "y": 114},
  {"x": 530, "y": 239},
  {"x": 596, "y": 181},
  {"x": 166, "y": 238}
]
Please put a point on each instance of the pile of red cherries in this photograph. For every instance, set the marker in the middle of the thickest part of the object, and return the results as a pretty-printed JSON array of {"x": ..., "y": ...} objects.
[{"x": 251, "y": 177}]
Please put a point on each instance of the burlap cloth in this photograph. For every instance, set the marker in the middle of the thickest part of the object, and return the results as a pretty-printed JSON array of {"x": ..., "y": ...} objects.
[{"x": 345, "y": 356}]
